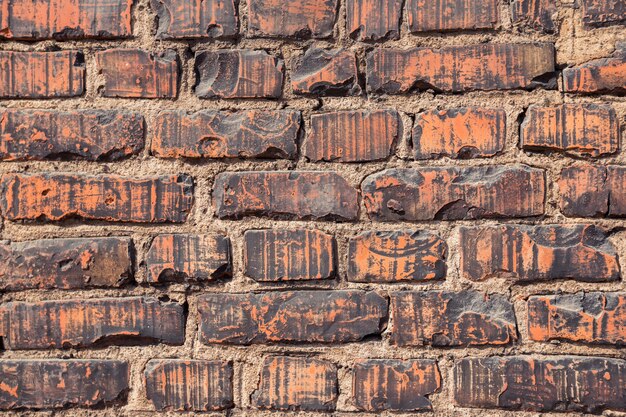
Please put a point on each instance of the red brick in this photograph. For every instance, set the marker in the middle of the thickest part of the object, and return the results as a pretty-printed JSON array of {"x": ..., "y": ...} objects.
[
  {"x": 51, "y": 383},
  {"x": 445, "y": 15},
  {"x": 184, "y": 257},
  {"x": 593, "y": 191},
  {"x": 326, "y": 72},
  {"x": 41, "y": 74},
  {"x": 538, "y": 253},
  {"x": 394, "y": 384},
  {"x": 238, "y": 74},
  {"x": 536, "y": 14},
  {"x": 580, "y": 129},
  {"x": 65, "y": 19},
  {"x": 289, "y": 255},
  {"x": 53, "y": 197},
  {"x": 603, "y": 12},
  {"x": 306, "y": 18},
  {"x": 446, "y": 318},
  {"x": 454, "y": 193},
  {"x": 593, "y": 318},
  {"x": 189, "y": 385},
  {"x": 458, "y": 69},
  {"x": 459, "y": 133},
  {"x": 389, "y": 257},
  {"x": 372, "y": 20},
  {"x": 220, "y": 134},
  {"x": 65, "y": 263},
  {"x": 134, "y": 73},
  {"x": 291, "y": 317},
  {"x": 301, "y": 195},
  {"x": 94, "y": 135},
  {"x": 559, "y": 383},
  {"x": 63, "y": 324},
  {"x": 296, "y": 384},
  {"x": 353, "y": 135},
  {"x": 605, "y": 75},
  {"x": 184, "y": 19}
]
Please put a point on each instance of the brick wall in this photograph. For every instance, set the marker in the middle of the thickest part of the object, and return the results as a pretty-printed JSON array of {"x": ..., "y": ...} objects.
[{"x": 347, "y": 206}]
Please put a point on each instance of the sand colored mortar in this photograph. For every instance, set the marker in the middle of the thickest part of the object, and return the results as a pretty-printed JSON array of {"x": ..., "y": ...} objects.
[{"x": 574, "y": 45}]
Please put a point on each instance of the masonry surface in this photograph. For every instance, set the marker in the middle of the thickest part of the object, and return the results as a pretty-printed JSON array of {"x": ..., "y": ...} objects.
[{"x": 313, "y": 207}]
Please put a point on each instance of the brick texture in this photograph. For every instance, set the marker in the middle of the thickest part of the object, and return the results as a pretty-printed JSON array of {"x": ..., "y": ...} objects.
[
  {"x": 445, "y": 15},
  {"x": 326, "y": 72},
  {"x": 604, "y": 75},
  {"x": 307, "y": 18},
  {"x": 371, "y": 20},
  {"x": 181, "y": 19},
  {"x": 593, "y": 191}
]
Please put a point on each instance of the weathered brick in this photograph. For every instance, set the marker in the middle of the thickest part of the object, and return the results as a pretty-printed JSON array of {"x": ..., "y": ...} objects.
[
  {"x": 289, "y": 255},
  {"x": 184, "y": 19},
  {"x": 605, "y": 75},
  {"x": 396, "y": 256},
  {"x": 459, "y": 133},
  {"x": 219, "y": 134},
  {"x": 296, "y": 384},
  {"x": 595, "y": 317},
  {"x": 302, "y": 195},
  {"x": 52, "y": 383},
  {"x": 41, "y": 74},
  {"x": 238, "y": 74},
  {"x": 326, "y": 72},
  {"x": 305, "y": 18},
  {"x": 53, "y": 197},
  {"x": 454, "y": 193},
  {"x": 65, "y": 263},
  {"x": 580, "y": 129},
  {"x": 538, "y": 253},
  {"x": 65, "y": 19},
  {"x": 446, "y": 318},
  {"x": 603, "y": 12},
  {"x": 458, "y": 69},
  {"x": 134, "y": 73},
  {"x": 592, "y": 191},
  {"x": 291, "y": 317},
  {"x": 94, "y": 135},
  {"x": 536, "y": 14},
  {"x": 395, "y": 385},
  {"x": 63, "y": 324},
  {"x": 184, "y": 257},
  {"x": 559, "y": 383},
  {"x": 189, "y": 385},
  {"x": 353, "y": 135},
  {"x": 445, "y": 15},
  {"x": 372, "y": 20}
]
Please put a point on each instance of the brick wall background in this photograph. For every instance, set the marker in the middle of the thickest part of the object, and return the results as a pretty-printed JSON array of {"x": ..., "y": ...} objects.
[{"x": 356, "y": 206}]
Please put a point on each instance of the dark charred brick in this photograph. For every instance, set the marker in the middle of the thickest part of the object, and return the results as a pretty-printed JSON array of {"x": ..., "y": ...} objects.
[
  {"x": 593, "y": 318},
  {"x": 372, "y": 20},
  {"x": 559, "y": 383},
  {"x": 301, "y": 195},
  {"x": 296, "y": 384},
  {"x": 93, "y": 135},
  {"x": 454, "y": 193},
  {"x": 306, "y": 18},
  {"x": 52, "y": 383},
  {"x": 62, "y": 324},
  {"x": 184, "y": 257},
  {"x": 603, "y": 12},
  {"x": 445, "y": 318},
  {"x": 289, "y": 255},
  {"x": 580, "y": 129},
  {"x": 592, "y": 191},
  {"x": 53, "y": 197},
  {"x": 197, "y": 19},
  {"x": 538, "y": 253},
  {"x": 353, "y": 135},
  {"x": 65, "y": 263},
  {"x": 238, "y": 74},
  {"x": 326, "y": 72},
  {"x": 395, "y": 385},
  {"x": 291, "y": 317},
  {"x": 459, "y": 133},
  {"x": 134, "y": 73},
  {"x": 605, "y": 75},
  {"x": 35, "y": 75},
  {"x": 458, "y": 69},
  {"x": 396, "y": 256},
  {"x": 445, "y": 15},
  {"x": 219, "y": 134},
  {"x": 536, "y": 14},
  {"x": 189, "y": 385}
]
